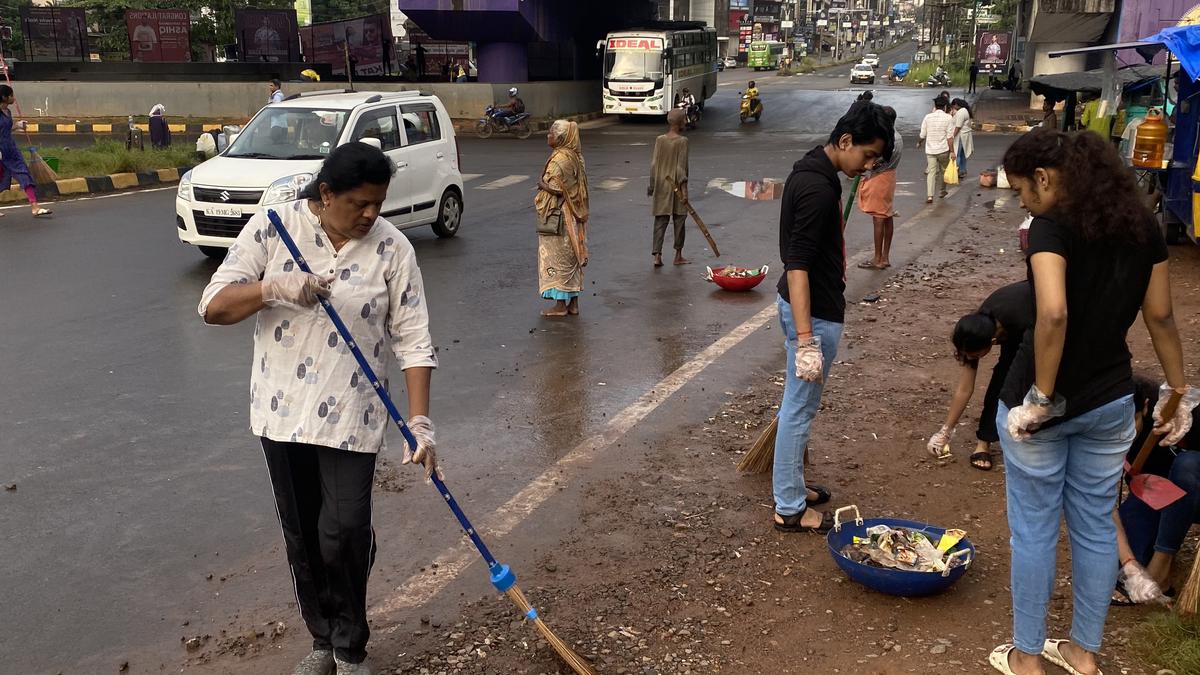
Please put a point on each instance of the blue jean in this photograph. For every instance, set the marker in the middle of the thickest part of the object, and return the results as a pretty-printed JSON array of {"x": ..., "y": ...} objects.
[
  {"x": 1151, "y": 531},
  {"x": 801, "y": 400},
  {"x": 961, "y": 159},
  {"x": 1073, "y": 469}
]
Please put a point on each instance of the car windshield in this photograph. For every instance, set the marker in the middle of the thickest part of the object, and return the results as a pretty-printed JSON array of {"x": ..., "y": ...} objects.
[
  {"x": 289, "y": 133},
  {"x": 633, "y": 65},
  {"x": 873, "y": 57},
  {"x": 862, "y": 67}
]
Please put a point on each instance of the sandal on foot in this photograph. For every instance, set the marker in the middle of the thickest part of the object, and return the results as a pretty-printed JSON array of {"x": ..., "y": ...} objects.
[
  {"x": 42, "y": 212},
  {"x": 1120, "y": 597},
  {"x": 868, "y": 265},
  {"x": 792, "y": 523},
  {"x": 999, "y": 659},
  {"x": 823, "y": 495},
  {"x": 1051, "y": 652},
  {"x": 980, "y": 457}
]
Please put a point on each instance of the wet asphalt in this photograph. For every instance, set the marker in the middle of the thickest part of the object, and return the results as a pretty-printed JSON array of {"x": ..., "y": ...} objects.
[{"x": 142, "y": 512}]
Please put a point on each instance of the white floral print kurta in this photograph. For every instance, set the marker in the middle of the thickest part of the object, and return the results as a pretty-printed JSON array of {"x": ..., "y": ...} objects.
[{"x": 305, "y": 385}]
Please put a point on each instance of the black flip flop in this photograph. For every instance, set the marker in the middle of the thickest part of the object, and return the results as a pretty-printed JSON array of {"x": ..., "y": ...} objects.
[
  {"x": 978, "y": 456},
  {"x": 792, "y": 524},
  {"x": 823, "y": 495},
  {"x": 1120, "y": 597}
]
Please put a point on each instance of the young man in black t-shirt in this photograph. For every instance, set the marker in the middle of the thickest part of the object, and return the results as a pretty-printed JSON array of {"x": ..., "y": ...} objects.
[{"x": 811, "y": 305}]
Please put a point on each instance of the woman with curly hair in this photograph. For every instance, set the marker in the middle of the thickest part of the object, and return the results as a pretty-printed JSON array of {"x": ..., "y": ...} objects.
[{"x": 1066, "y": 417}]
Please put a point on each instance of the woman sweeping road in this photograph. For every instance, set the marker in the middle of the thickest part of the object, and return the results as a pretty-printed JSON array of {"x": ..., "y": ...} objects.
[
  {"x": 562, "y": 208},
  {"x": 1066, "y": 416},
  {"x": 318, "y": 418},
  {"x": 14, "y": 167}
]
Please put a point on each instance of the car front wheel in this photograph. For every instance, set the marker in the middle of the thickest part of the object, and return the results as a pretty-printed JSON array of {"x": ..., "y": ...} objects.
[
  {"x": 450, "y": 212},
  {"x": 214, "y": 252}
]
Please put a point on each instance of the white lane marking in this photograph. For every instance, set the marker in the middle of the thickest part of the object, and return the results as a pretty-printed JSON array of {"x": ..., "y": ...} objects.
[
  {"x": 468, "y": 177},
  {"x": 499, "y": 183},
  {"x": 612, "y": 184},
  {"x": 88, "y": 198},
  {"x": 420, "y": 588}
]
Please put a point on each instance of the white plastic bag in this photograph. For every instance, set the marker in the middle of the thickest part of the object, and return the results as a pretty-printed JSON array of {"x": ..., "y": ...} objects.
[
  {"x": 1002, "y": 180},
  {"x": 206, "y": 144}
]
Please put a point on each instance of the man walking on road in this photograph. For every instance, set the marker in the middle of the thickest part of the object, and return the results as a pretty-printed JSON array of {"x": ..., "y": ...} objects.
[
  {"x": 974, "y": 76},
  {"x": 669, "y": 168},
  {"x": 811, "y": 301},
  {"x": 936, "y": 131}
]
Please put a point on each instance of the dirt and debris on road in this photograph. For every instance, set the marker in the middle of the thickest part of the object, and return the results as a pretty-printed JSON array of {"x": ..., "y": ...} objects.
[{"x": 678, "y": 570}]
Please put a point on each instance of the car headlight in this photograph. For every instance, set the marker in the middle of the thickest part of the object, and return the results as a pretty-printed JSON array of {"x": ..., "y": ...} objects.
[
  {"x": 185, "y": 186},
  {"x": 287, "y": 189}
]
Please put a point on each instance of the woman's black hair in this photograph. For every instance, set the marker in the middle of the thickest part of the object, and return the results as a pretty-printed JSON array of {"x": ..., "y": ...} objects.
[
  {"x": 962, "y": 103},
  {"x": 866, "y": 96},
  {"x": 1100, "y": 196},
  {"x": 941, "y": 102},
  {"x": 866, "y": 122},
  {"x": 350, "y": 166},
  {"x": 5, "y": 91},
  {"x": 973, "y": 333}
]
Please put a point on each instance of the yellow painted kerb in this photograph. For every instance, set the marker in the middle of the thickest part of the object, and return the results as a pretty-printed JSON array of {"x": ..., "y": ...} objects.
[
  {"x": 69, "y": 186},
  {"x": 124, "y": 180}
]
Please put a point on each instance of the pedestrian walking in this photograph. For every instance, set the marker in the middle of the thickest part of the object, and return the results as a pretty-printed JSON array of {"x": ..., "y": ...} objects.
[
  {"x": 811, "y": 300},
  {"x": 668, "y": 170},
  {"x": 420, "y": 49},
  {"x": 1049, "y": 116},
  {"x": 936, "y": 131},
  {"x": 1096, "y": 257},
  {"x": 318, "y": 419},
  {"x": 974, "y": 72},
  {"x": 160, "y": 132},
  {"x": 561, "y": 203},
  {"x": 1002, "y": 319},
  {"x": 275, "y": 92},
  {"x": 963, "y": 141},
  {"x": 12, "y": 162},
  {"x": 876, "y": 198}
]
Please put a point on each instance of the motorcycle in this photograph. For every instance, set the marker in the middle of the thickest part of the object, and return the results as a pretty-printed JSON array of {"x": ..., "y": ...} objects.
[
  {"x": 746, "y": 112},
  {"x": 517, "y": 125},
  {"x": 691, "y": 114},
  {"x": 938, "y": 81}
]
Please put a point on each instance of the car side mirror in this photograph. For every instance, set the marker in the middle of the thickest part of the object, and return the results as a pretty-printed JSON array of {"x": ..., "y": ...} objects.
[{"x": 373, "y": 142}]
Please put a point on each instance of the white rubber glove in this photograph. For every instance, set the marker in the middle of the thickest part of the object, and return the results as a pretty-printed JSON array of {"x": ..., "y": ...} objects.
[
  {"x": 809, "y": 361},
  {"x": 426, "y": 452},
  {"x": 1037, "y": 409},
  {"x": 939, "y": 440},
  {"x": 1139, "y": 586},
  {"x": 294, "y": 289},
  {"x": 1176, "y": 428}
]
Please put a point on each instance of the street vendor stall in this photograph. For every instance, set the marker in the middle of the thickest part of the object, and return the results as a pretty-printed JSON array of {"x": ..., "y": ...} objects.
[{"x": 1176, "y": 182}]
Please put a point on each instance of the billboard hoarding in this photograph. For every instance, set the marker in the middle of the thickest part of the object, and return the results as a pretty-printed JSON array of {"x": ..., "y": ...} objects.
[
  {"x": 55, "y": 33},
  {"x": 268, "y": 35},
  {"x": 159, "y": 35},
  {"x": 365, "y": 42},
  {"x": 992, "y": 52}
]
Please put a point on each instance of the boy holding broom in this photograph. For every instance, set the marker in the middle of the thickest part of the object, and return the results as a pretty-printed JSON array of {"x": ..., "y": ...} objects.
[
  {"x": 668, "y": 168},
  {"x": 811, "y": 302}
]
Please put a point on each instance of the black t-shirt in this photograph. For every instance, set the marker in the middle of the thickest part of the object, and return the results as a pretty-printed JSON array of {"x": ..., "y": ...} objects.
[
  {"x": 810, "y": 234},
  {"x": 1012, "y": 306},
  {"x": 1106, "y": 284},
  {"x": 518, "y": 106}
]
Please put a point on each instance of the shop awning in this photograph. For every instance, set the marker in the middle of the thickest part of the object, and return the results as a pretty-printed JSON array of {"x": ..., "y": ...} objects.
[{"x": 1058, "y": 85}]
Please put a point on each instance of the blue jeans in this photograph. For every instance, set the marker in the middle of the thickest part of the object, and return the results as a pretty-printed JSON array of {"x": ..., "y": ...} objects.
[
  {"x": 961, "y": 159},
  {"x": 1073, "y": 469},
  {"x": 801, "y": 400},
  {"x": 1151, "y": 531}
]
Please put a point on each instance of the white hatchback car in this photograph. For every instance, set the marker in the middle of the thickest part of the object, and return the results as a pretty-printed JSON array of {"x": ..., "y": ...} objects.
[{"x": 281, "y": 149}]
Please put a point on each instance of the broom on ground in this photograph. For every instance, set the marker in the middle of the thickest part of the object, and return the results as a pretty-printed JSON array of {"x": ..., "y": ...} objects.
[
  {"x": 38, "y": 168},
  {"x": 502, "y": 578},
  {"x": 762, "y": 454}
]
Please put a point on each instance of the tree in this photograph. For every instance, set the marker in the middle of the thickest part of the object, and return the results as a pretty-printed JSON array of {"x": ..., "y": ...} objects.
[
  {"x": 10, "y": 15},
  {"x": 336, "y": 10}
]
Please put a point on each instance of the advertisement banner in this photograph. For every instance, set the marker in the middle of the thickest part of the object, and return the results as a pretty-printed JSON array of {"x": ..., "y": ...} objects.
[
  {"x": 365, "y": 42},
  {"x": 159, "y": 35},
  {"x": 992, "y": 52},
  {"x": 55, "y": 33},
  {"x": 267, "y": 35}
]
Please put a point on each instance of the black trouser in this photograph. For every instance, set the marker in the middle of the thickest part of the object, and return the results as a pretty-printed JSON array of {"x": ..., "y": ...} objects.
[
  {"x": 660, "y": 231},
  {"x": 971, "y": 88},
  {"x": 991, "y": 400},
  {"x": 323, "y": 496}
]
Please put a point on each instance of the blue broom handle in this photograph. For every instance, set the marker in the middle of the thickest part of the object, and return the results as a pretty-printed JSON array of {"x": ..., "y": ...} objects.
[{"x": 382, "y": 392}]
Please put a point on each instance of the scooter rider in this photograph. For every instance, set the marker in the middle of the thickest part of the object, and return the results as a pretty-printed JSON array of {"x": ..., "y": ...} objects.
[
  {"x": 687, "y": 102},
  {"x": 752, "y": 92},
  {"x": 515, "y": 106}
]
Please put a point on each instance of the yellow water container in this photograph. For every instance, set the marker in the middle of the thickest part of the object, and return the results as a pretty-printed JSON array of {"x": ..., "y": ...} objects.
[{"x": 1150, "y": 141}]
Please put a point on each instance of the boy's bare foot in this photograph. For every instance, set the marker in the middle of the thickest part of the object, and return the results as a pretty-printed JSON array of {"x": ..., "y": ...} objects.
[
  {"x": 658, "y": 260},
  {"x": 680, "y": 260}
]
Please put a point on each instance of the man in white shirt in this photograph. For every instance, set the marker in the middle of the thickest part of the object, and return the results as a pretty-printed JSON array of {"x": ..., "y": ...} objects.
[
  {"x": 276, "y": 89},
  {"x": 937, "y": 129}
]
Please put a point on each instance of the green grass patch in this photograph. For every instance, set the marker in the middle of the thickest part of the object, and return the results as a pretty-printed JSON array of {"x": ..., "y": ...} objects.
[
  {"x": 106, "y": 157},
  {"x": 959, "y": 72},
  {"x": 1167, "y": 641}
]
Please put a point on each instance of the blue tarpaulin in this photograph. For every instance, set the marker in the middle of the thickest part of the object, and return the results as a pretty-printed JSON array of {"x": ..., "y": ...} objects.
[{"x": 1184, "y": 43}]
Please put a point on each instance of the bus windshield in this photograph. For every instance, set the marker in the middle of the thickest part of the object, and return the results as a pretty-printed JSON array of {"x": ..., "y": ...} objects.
[{"x": 633, "y": 65}]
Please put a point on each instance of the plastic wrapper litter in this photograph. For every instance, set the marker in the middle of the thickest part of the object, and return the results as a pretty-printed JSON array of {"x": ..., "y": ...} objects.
[{"x": 903, "y": 549}]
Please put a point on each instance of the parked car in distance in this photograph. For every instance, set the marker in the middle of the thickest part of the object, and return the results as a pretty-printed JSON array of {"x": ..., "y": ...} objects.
[
  {"x": 730, "y": 62},
  {"x": 281, "y": 149},
  {"x": 862, "y": 74},
  {"x": 871, "y": 60}
]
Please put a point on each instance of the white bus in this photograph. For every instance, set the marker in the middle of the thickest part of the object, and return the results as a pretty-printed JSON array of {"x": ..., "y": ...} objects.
[{"x": 645, "y": 70}]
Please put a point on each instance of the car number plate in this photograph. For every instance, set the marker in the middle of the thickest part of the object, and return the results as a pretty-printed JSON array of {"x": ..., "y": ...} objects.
[
  {"x": 223, "y": 211},
  {"x": 631, "y": 109}
]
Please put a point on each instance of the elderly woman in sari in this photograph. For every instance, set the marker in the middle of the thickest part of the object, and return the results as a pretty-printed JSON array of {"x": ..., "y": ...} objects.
[{"x": 562, "y": 208}]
